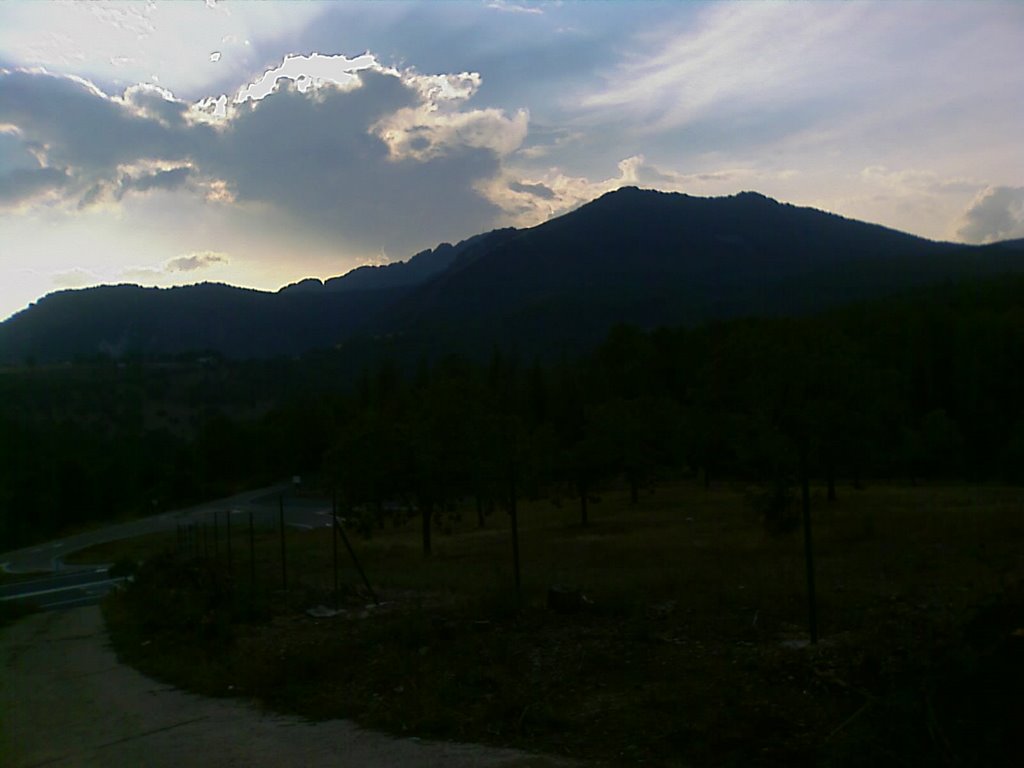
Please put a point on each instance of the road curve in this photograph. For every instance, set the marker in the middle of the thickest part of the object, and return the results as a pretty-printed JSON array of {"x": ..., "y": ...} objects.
[
  {"x": 66, "y": 701},
  {"x": 77, "y": 585},
  {"x": 262, "y": 502}
]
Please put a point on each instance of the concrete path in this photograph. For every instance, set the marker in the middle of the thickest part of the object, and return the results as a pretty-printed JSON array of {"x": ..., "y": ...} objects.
[{"x": 66, "y": 701}]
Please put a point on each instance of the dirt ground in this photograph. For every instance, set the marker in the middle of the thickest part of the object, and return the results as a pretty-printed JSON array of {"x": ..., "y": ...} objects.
[{"x": 66, "y": 701}]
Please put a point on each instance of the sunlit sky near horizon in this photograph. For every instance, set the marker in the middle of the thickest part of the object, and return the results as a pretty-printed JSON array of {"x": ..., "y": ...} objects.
[{"x": 167, "y": 143}]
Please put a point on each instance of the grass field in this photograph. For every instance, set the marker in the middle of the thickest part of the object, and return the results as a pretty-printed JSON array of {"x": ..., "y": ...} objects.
[{"x": 691, "y": 648}]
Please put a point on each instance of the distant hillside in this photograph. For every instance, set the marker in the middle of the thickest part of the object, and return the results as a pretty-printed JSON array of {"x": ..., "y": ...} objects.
[
  {"x": 643, "y": 257},
  {"x": 403, "y": 274},
  {"x": 652, "y": 258},
  {"x": 123, "y": 320}
]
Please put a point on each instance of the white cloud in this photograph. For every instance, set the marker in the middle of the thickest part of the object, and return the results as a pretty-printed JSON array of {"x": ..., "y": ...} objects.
[
  {"x": 531, "y": 198},
  {"x": 308, "y": 73},
  {"x": 507, "y": 7},
  {"x": 907, "y": 79},
  {"x": 424, "y": 132},
  {"x": 997, "y": 213},
  {"x": 917, "y": 181},
  {"x": 76, "y": 277},
  {"x": 124, "y": 43},
  {"x": 737, "y": 54},
  {"x": 438, "y": 121}
]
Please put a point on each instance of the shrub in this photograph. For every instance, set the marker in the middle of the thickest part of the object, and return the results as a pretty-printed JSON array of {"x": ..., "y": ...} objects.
[{"x": 185, "y": 600}]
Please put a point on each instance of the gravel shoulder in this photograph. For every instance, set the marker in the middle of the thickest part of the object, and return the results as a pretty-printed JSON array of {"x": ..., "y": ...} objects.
[{"x": 66, "y": 701}]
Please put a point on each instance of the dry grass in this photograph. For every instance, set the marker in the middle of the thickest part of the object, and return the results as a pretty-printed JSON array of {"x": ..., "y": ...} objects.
[{"x": 689, "y": 653}]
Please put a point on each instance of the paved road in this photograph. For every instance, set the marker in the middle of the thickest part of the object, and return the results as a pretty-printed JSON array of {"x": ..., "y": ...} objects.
[
  {"x": 66, "y": 701},
  {"x": 75, "y": 585},
  {"x": 66, "y": 590}
]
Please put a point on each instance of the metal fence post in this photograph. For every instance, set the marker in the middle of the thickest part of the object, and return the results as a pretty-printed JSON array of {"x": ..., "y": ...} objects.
[
  {"x": 334, "y": 542},
  {"x": 284, "y": 558},
  {"x": 227, "y": 534}
]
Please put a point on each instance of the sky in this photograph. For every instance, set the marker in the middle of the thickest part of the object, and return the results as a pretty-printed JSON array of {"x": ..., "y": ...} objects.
[{"x": 257, "y": 144}]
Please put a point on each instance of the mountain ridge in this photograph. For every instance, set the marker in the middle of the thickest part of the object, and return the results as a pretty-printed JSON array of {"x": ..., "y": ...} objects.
[{"x": 636, "y": 256}]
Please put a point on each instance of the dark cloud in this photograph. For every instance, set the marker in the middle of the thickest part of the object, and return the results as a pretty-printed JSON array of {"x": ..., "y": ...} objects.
[
  {"x": 319, "y": 156},
  {"x": 156, "y": 103},
  {"x": 172, "y": 179},
  {"x": 996, "y": 214},
  {"x": 537, "y": 190},
  {"x": 193, "y": 261},
  {"x": 22, "y": 184},
  {"x": 84, "y": 129}
]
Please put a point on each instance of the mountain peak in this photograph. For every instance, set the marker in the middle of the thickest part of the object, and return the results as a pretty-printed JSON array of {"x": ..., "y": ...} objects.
[
  {"x": 634, "y": 195},
  {"x": 750, "y": 194}
]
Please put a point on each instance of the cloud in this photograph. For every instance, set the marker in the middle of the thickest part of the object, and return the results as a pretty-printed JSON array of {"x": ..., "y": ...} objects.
[
  {"x": 916, "y": 181},
  {"x": 23, "y": 185},
  {"x": 173, "y": 178},
  {"x": 120, "y": 43},
  {"x": 74, "y": 278},
  {"x": 372, "y": 157},
  {"x": 531, "y": 198},
  {"x": 538, "y": 190},
  {"x": 997, "y": 213},
  {"x": 742, "y": 77},
  {"x": 321, "y": 158},
  {"x": 729, "y": 57},
  {"x": 190, "y": 262},
  {"x": 83, "y": 130},
  {"x": 507, "y": 7},
  {"x": 308, "y": 72},
  {"x": 153, "y": 102}
]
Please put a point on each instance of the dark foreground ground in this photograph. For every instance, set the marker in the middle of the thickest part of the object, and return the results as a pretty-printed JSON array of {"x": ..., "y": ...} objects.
[
  {"x": 691, "y": 649},
  {"x": 67, "y": 702}
]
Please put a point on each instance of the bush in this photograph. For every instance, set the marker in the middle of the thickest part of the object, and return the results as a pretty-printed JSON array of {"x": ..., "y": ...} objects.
[{"x": 186, "y": 600}]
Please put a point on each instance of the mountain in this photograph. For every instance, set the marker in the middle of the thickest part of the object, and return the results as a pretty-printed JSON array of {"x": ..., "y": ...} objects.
[
  {"x": 637, "y": 256},
  {"x": 653, "y": 258},
  {"x": 121, "y": 320},
  {"x": 118, "y": 320},
  {"x": 402, "y": 274}
]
